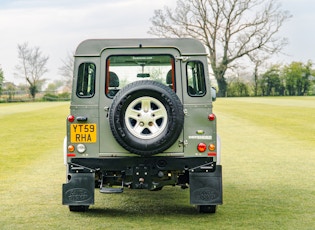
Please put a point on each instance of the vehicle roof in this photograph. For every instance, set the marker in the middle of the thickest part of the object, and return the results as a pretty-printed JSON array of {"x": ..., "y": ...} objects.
[{"x": 186, "y": 46}]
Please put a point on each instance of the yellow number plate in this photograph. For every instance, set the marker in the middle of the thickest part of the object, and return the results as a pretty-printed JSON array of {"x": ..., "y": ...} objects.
[{"x": 83, "y": 133}]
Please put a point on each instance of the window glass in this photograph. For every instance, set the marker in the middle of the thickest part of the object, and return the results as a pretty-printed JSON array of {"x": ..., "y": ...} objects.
[
  {"x": 86, "y": 80},
  {"x": 122, "y": 70},
  {"x": 195, "y": 79}
]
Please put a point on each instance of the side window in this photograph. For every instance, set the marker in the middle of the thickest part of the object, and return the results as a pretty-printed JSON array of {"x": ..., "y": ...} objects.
[
  {"x": 196, "y": 85},
  {"x": 86, "y": 80}
]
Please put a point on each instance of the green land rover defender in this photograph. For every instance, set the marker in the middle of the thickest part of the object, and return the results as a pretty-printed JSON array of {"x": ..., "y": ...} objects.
[{"x": 141, "y": 118}]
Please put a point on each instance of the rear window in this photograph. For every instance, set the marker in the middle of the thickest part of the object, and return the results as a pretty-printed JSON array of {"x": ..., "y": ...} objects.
[
  {"x": 124, "y": 69},
  {"x": 86, "y": 80},
  {"x": 196, "y": 85}
]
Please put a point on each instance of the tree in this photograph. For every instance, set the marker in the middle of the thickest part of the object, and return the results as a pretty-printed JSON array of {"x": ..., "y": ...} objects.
[
  {"x": 297, "y": 78},
  {"x": 32, "y": 66},
  {"x": 257, "y": 59},
  {"x": 67, "y": 70},
  {"x": 270, "y": 82},
  {"x": 229, "y": 29},
  {"x": 237, "y": 88}
]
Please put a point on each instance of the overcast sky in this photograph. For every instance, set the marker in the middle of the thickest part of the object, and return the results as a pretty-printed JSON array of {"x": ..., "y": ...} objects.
[{"x": 58, "y": 26}]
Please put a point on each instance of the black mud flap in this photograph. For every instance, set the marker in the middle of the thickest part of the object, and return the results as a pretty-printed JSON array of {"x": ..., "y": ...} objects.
[
  {"x": 79, "y": 191},
  {"x": 206, "y": 187}
]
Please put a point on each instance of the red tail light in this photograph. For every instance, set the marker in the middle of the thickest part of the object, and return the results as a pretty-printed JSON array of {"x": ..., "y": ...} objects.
[{"x": 202, "y": 147}]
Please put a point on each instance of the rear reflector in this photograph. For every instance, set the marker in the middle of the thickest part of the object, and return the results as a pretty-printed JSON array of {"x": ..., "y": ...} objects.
[
  {"x": 212, "y": 154},
  {"x": 71, "y": 155}
]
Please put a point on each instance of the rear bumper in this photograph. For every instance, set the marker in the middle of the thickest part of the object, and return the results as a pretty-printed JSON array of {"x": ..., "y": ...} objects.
[{"x": 154, "y": 163}]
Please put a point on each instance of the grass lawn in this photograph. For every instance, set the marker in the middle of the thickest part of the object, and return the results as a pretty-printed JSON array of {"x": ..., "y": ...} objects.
[{"x": 268, "y": 172}]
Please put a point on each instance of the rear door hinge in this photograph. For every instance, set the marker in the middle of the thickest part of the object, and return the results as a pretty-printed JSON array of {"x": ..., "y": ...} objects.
[
  {"x": 182, "y": 142},
  {"x": 183, "y": 59},
  {"x": 106, "y": 109}
]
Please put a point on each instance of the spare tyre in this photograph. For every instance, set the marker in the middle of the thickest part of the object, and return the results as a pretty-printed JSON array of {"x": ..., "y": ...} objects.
[{"x": 146, "y": 117}]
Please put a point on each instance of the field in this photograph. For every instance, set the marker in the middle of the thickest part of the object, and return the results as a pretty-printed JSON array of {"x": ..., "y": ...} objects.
[{"x": 268, "y": 172}]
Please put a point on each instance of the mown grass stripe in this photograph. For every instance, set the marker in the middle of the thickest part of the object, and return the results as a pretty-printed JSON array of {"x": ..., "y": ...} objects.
[
  {"x": 287, "y": 119},
  {"x": 26, "y": 135},
  {"x": 268, "y": 177}
]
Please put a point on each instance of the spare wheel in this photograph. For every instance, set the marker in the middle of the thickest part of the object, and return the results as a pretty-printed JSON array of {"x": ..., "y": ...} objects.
[{"x": 146, "y": 117}]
